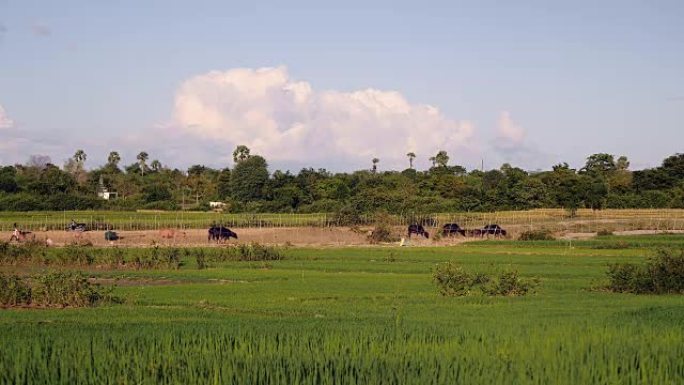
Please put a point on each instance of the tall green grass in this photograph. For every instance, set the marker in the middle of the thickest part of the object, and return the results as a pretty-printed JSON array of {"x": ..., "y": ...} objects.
[{"x": 356, "y": 316}]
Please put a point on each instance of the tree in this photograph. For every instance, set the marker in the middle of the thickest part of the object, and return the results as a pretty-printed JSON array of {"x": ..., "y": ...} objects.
[
  {"x": 8, "y": 182},
  {"x": 39, "y": 161},
  {"x": 75, "y": 166},
  {"x": 223, "y": 184},
  {"x": 156, "y": 191},
  {"x": 248, "y": 179},
  {"x": 442, "y": 159},
  {"x": 595, "y": 192},
  {"x": 156, "y": 165},
  {"x": 241, "y": 153},
  {"x": 622, "y": 163},
  {"x": 433, "y": 160},
  {"x": 600, "y": 164},
  {"x": 411, "y": 156},
  {"x": 375, "y": 165},
  {"x": 113, "y": 159},
  {"x": 674, "y": 166},
  {"x": 142, "y": 159},
  {"x": 80, "y": 156}
]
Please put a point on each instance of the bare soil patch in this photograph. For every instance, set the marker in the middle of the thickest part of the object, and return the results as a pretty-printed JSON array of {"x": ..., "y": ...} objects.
[{"x": 295, "y": 236}]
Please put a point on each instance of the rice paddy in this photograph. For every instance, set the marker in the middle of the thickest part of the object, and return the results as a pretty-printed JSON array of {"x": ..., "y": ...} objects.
[{"x": 357, "y": 316}]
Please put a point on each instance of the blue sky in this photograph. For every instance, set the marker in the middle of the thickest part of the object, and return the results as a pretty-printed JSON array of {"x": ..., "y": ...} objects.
[{"x": 528, "y": 82}]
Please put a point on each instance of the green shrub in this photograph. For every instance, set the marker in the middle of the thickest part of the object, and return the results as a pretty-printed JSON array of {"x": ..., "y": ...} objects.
[
  {"x": 452, "y": 279},
  {"x": 348, "y": 215},
  {"x": 536, "y": 235},
  {"x": 616, "y": 245},
  {"x": 257, "y": 252},
  {"x": 243, "y": 252},
  {"x": 201, "y": 259},
  {"x": 14, "y": 291},
  {"x": 662, "y": 274},
  {"x": 157, "y": 257},
  {"x": 382, "y": 233},
  {"x": 53, "y": 289},
  {"x": 509, "y": 283}
]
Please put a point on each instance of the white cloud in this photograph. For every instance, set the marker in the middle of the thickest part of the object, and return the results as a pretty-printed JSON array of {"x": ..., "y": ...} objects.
[
  {"x": 5, "y": 121},
  {"x": 288, "y": 121},
  {"x": 512, "y": 145},
  {"x": 508, "y": 130}
]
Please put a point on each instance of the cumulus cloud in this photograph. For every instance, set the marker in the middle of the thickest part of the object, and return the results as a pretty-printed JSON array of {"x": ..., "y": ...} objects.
[
  {"x": 509, "y": 131},
  {"x": 288, "y": 120},
  {"x": 5, "y": 121},
  {"x": 512, "y": 145}
]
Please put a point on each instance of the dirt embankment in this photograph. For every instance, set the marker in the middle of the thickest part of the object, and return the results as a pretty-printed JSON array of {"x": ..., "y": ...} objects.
[{"x": 296, "y": 236}]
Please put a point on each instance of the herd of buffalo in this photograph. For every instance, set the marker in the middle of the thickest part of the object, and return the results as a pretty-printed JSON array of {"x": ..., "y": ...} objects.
[
  {"x": 453, "y": 229},
  {"x": 220, "y": 233}
]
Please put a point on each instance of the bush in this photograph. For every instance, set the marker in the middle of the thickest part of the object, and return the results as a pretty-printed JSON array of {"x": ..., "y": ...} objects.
[
  {"x": 382, "y": 232},
  {"x": 244, "y": 252},
  {"x": 536, "y": 235},
  {"x": 617, "y": 245},
  {"x": 14, "y": 291},
  {"x": 156, "y": 257},
  {"x": 509, "y": 283},
  {"x": 167, "y": 205},
  {"x": 349, "y": 215},
  {"x": 604, "y": 233},
  {"x": 53, "y": 289},
  {"x": 662, "y": 274},
  {"x": 453, "y": 280},
  {"x": 201, "y": 259}
]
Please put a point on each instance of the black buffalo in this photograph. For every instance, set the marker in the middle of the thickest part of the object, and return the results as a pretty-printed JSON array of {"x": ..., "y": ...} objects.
[
  {"x": 491, "y": 229},
  {"x": 74, "y": 226},
  {"x": 220, "y": 233},
  {"x": 418, "y": 230},
  {"x": 452, "y": 229}
]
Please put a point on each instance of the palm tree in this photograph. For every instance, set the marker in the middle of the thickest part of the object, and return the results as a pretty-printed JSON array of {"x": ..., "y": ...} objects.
[
  {"x": 142, "y": 158},
  {"x": 375, "y": 165},
  {"x": 114, "y": 158},
  {"x": 411, "y": 156},
  {"x": 241, "y": 153},
  {"x": 156, "y": 165},
  {"x": 80, "y": 156}
]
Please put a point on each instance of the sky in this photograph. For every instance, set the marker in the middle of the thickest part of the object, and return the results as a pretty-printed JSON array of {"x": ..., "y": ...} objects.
[{"x": 333, "y": 85}]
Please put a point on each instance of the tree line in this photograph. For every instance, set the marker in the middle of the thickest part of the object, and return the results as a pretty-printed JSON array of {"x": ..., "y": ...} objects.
[{"x": 605, "y": 181}]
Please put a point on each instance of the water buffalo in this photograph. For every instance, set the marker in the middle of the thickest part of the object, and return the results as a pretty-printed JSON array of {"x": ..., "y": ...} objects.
[
  {"x": 452, "y": 229},
  {"x": 417, "y": 229},
  {"x": 491, "y": 229},
  {"x": 220, "y": 233},
  {"x": 74, "y": 226}
]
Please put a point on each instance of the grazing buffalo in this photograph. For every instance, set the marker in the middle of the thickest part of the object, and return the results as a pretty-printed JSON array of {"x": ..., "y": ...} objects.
[
  {"x": 418, "y": 230},
  {"x": 220, "y": 233},
  {"x": 74, "y": 226},
  {"x": 491, "y": 229},
  {"x": 111, "y": 236},
  {"x": 452, "y": 229}
]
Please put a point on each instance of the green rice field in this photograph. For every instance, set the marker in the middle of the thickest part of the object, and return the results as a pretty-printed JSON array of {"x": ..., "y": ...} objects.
[{"x": 357, "y": 316}]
